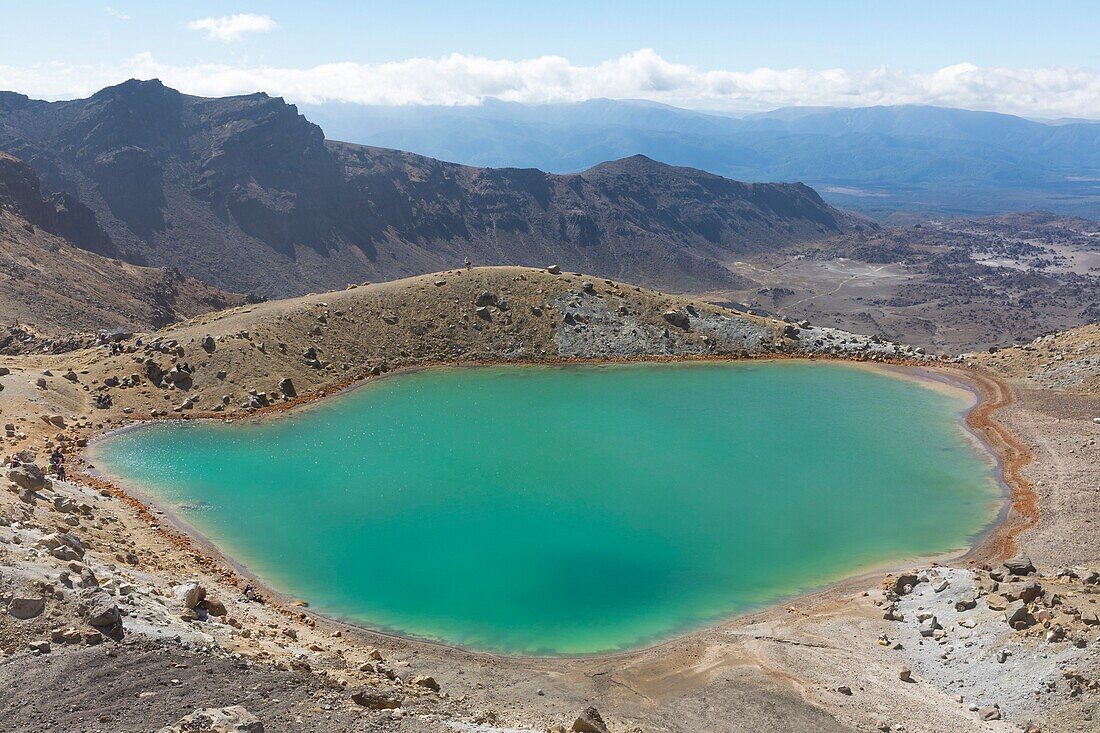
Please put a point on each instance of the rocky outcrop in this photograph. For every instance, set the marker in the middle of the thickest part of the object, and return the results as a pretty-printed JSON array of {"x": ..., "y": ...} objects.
[
  {"x": 232, "y": 719},
  {"x": 61, "y": 214}
]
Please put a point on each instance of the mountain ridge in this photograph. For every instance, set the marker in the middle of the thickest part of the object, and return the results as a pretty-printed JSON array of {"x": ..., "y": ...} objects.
[{"x": 246, "y": 194}]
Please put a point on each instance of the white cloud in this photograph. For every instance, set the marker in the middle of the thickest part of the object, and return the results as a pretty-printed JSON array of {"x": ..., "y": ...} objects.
[
  {"x": 462, "y": 80},
  {"x": 233, "y": 27},
  {"x": 115, "y": 13}
]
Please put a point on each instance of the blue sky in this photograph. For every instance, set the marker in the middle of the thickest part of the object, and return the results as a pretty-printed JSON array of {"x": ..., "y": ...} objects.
[{"x": 64, "y": 48}]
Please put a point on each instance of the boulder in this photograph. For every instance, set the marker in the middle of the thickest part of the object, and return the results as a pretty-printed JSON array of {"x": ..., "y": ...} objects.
[
  {"x": 373, "y": 700},
  {"x": 26, "y": 607},
  {"x": 233, "y": 719},
  {"x": 589, "y": 721},
  {"x": 100, "y": 609},
  {"x": 1020, "y": 565},
  {"x": 286, "y": 386},
  {"x": 990, "y": 712},
  {"x": 1016, "y": 613},
  {"x": 554, "y": 270},
  {"x": 213, "y": 606},
  {"x": 153, "y": 372},
  {"x": 28, "y": 477},
  {"x": 208, "y": 344},
  {"x": 904, "y": 583},
  {"x": 677, "y": 318},
  {"x": 424, "y": 680},
  {"x": 1026, "y": 592},
  {"x": 189, "y": 594},
  {"x": 966, "y": 602},
  {"x": 63, "y": 546}
]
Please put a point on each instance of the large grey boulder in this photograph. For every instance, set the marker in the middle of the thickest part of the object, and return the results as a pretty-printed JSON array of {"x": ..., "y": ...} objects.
[
  {"x": 189, "y": 594},
  {"x": 1020, "y": 565},
  {"x": 233, "y": 719},
  {"x": 1016, "y": 613},
  {"x": 28, "y": 477},
  {"x": 100, "y": 609}
]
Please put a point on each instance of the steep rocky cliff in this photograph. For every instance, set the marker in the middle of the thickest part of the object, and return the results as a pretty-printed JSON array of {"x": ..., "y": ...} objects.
[{"x": 50, "y": 283}]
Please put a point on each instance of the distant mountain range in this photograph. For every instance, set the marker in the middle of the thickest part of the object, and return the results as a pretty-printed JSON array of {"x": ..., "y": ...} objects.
[
  {"x": 245, "y": 194},
  {"x": 878, "y": 160}
]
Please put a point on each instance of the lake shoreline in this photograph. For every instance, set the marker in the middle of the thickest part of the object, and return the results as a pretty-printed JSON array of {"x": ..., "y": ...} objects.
[{"x": 989, "y": 544}]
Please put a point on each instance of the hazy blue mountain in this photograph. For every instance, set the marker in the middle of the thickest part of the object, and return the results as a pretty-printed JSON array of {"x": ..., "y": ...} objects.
[{"x": 875, "y": 159}]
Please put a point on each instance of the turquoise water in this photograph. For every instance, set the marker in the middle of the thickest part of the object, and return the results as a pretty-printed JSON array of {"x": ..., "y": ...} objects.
[{"x": 575, "y": 509}]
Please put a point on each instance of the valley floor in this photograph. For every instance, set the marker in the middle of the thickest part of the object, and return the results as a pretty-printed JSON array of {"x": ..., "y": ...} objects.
[{"x": 828, "y": 661}]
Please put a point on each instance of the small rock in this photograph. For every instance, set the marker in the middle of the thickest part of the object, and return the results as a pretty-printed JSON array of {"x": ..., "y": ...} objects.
[
  {"x": 989, "y": 712},
  {"x": 905, "y": 674}
]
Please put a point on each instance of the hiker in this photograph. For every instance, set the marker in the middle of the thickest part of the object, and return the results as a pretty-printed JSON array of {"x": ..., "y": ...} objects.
[{"x": 466, "y": 262}]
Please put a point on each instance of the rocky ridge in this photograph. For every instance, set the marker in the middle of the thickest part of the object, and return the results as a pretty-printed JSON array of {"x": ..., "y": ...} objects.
[
  {"x": 247, "y": 195},
  {"x": 263, "y": 355}
]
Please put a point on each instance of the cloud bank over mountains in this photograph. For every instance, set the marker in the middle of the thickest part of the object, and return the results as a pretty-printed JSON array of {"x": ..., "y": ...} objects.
[{"x": 459, "y": 79}]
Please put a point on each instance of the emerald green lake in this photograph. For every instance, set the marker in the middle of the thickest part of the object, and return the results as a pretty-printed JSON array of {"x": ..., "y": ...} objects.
[{"x": 578, "y": 509}]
